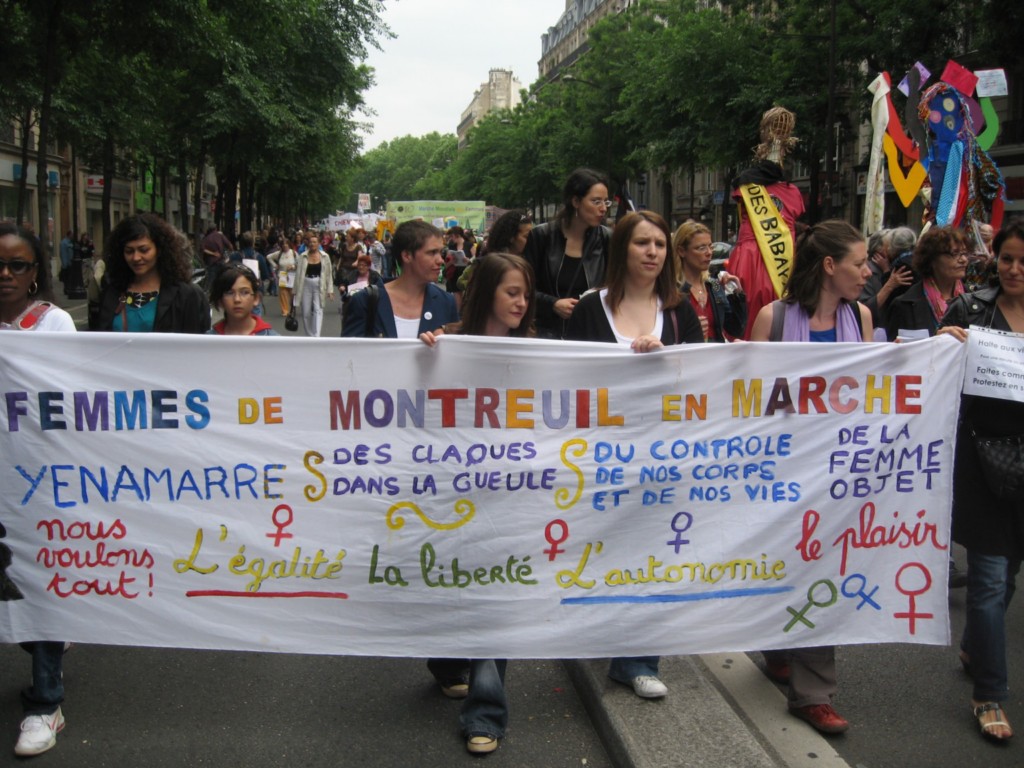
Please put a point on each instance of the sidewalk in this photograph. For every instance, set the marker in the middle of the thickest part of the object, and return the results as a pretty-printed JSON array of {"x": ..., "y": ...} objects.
[{"x": 720, "y": 711}]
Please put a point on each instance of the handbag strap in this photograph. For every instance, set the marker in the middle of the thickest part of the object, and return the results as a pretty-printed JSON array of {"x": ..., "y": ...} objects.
[{"x": 372, "y": 299}]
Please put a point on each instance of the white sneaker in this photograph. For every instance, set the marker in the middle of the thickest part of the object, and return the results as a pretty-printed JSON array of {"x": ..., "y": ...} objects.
[
  {"x": 649, "y": 687},
  {"x": 39, "y": 733}
]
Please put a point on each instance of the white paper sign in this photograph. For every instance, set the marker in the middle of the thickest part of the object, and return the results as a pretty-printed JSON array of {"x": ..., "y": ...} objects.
[
  {"x": 991, "y": 82},
  {"x": 995, "y": 364},
  {"x": 485, "y": 498}
]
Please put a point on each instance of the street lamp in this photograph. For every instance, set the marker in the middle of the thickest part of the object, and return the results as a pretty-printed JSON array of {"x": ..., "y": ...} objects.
[{"x": 571, "y": 78}]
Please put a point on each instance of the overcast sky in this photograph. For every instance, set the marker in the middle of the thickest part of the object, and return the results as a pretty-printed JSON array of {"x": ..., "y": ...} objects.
[{"x": 442, "y": 52}]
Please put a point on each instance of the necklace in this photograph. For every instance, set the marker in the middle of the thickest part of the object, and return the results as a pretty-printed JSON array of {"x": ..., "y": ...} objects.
[
  {"x": 700, "y": 295},
  {"x": 139, "y": 299}
]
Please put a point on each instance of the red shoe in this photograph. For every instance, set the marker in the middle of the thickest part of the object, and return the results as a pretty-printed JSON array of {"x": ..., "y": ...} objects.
[
  {"x": 777, "y": 671},
  {"x": 822, "y": 717}
]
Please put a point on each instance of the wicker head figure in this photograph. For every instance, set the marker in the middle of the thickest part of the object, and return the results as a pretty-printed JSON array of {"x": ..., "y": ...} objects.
[{"x": 777, "y": 126}]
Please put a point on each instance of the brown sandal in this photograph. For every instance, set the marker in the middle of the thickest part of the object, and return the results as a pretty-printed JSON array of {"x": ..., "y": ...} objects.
[{"x": 981, "y": 710}]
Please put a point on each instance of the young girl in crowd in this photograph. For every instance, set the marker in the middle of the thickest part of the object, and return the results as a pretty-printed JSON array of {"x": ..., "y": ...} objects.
[
  {"x": 498, "y": 303},
  {"x": 236, "y": 293}
]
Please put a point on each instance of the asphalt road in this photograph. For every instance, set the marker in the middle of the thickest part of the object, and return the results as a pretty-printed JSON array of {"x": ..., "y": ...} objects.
[{"x": 162, "y": 708}]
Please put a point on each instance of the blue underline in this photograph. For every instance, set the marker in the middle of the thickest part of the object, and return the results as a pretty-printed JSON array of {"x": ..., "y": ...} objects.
[{"x": 721, "y": 594}]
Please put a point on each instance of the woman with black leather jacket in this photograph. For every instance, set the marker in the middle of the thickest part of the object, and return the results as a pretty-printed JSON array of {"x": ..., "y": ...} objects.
[
  {"x": 987, "y": 520},
  {"x": 148, "y": 280},
  {"x": 568, "y": 254}
]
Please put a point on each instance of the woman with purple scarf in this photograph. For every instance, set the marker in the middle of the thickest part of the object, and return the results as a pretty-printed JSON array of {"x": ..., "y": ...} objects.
[{"x": 819, "y": 304}]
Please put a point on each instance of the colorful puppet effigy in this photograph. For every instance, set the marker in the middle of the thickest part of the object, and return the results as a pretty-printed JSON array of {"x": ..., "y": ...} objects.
[{"x": 944, "y": 158}]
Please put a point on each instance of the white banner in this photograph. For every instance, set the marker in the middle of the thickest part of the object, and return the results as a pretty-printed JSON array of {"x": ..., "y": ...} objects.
[
  {"x": 995, "y": 364},
  {"x": 486, "y": 498}
]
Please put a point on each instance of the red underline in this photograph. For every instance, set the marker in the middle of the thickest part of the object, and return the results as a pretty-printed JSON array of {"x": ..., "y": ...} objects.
[{"x": 229, "y": 593}]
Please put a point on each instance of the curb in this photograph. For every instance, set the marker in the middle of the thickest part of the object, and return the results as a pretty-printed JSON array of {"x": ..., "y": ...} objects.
[
  {"x": 693, "y": 726},
  {"x": 720, "y": 711}
]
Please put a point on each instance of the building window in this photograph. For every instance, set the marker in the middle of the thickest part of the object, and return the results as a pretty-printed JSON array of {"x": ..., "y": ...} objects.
[{"x": 9, "y": 203}]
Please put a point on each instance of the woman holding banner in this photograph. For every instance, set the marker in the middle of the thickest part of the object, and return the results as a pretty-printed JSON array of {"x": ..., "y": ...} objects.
[
  {"x": 25, "y": 305},
  {"x": 820, "y": 304},
  {"x": 988, "y": 515},
  {"x": 498, "y": 304},
  {"x": 640, "y": 307}
]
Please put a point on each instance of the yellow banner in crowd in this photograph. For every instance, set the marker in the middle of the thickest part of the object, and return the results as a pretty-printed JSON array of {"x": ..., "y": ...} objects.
[{"x": 774, "y": 239}]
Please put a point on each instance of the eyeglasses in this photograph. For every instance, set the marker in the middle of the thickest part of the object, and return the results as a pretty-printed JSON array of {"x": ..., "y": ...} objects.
[
  {"x": 17, "y": 266},
  {"x": 599, "y": 203},
  {"x": 245, "y": 293},
  {"x": 957, "y": 256},
  {"x": 706, "y": 248}
]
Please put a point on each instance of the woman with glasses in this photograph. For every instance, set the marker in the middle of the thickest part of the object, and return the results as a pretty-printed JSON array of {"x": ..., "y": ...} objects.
[
  {"x": 236, "y": 293},
  {"x": 148, "y": 280},
  {"x": 568, "y": 254},
  {"x": 940, "y": 260},
  {"x": 720, "y": 311},
  {"x": 26, "y": 305}
]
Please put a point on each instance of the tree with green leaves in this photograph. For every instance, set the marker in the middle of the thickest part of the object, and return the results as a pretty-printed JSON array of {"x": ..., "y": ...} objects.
[{"x": 171, "y": 85}]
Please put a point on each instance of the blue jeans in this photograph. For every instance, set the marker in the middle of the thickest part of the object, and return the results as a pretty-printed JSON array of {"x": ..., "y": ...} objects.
[
  {"x": 485, "y": 710},
  {"x": 625, "y": 668},
  {"x": 991, "y": 582},
  {"x": 47, "y": 690},
  {"x": 446, "y": 670}
]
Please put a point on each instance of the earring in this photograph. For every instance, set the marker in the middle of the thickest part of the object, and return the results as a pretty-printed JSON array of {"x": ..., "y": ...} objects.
[{"x": 34, "y": 289}]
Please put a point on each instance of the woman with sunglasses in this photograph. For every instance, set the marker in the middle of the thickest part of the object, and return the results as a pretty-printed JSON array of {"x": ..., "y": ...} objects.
[
  {"x": 149, "y": 280},
  {"x": 25, "y": 305},
  {"x": 568, "y": 254},
  {"x": 25, "y": 300}
]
